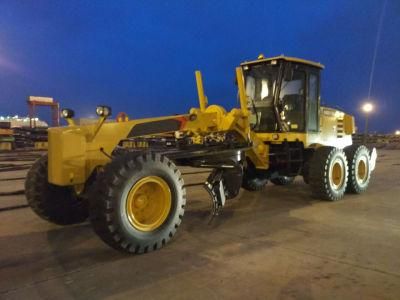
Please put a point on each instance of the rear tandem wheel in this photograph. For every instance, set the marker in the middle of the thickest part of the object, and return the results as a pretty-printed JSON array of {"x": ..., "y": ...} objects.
[
  {"x": 359, "y": 168},
  {"x": 328, "y": 173}
]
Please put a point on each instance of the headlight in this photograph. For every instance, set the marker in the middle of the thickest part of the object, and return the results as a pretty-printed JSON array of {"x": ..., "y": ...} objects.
[
  {"x": 67, "y": 113},
  {"x": 103, "y": 111}
]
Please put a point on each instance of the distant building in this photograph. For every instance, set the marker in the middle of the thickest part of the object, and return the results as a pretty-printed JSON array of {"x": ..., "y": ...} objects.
[{"x": 22, "y": 122}]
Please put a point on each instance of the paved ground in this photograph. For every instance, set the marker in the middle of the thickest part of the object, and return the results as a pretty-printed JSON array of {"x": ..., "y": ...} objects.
[{"x": 274, "y": 244}]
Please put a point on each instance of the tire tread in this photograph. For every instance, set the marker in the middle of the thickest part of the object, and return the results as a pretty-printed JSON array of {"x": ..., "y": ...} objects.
[{"x": 103, "y": 220}]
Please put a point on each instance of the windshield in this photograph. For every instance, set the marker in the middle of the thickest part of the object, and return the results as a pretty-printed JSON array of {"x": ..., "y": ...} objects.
[
  {"x": 260, "y": 83},
  {"x": 291, "y": 103}
]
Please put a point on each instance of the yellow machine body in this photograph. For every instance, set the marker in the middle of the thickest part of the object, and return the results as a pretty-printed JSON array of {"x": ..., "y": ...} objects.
[
  {"x": 75, "y": 151},
  {"x": 336, "y": 129}
]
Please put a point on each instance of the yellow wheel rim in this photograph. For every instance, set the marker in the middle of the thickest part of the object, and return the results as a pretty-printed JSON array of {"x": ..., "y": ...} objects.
[
  {"x": 337, "y": 175},
  {"x": 362, "y": 171},
  {"x": 148, "y": 203}
]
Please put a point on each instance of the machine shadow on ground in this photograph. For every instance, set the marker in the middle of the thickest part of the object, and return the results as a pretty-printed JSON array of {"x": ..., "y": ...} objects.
[{"x": 77, "y": 246}]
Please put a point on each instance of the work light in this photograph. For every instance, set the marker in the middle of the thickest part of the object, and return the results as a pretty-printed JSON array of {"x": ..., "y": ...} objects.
[
  {"x": 103, "y": 111},
  {"x": 67, "y": 113}
]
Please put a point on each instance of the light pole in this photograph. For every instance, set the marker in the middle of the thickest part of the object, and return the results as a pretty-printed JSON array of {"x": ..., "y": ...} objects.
[{"x": 367, "y": 109}]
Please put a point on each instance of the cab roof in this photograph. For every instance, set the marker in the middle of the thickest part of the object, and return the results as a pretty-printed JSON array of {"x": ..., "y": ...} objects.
[{"x": 261, "y": 58}]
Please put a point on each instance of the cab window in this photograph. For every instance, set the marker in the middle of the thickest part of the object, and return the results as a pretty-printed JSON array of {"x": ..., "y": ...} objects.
[
  {"x": 292, "y": 100},
  {"x": 312, "y": 104}
]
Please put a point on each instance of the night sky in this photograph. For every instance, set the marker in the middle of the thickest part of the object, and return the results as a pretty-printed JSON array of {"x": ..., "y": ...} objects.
[{"x": 139, "y": 56}]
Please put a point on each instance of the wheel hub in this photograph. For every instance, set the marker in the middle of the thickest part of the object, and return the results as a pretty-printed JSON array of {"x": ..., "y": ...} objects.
[
  {"x": 337, "y": 175},
  {"x": 140, "y": 201},
  {"x": 148, "y": 203},
  {"x": 362, "y": 170}
]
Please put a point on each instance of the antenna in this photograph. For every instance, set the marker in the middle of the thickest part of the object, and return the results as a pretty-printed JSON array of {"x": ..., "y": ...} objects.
[{"x": 377, "y": 41}]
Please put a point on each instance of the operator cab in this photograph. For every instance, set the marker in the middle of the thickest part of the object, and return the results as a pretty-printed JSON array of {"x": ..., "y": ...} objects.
[{"x": 283, "y": 94}]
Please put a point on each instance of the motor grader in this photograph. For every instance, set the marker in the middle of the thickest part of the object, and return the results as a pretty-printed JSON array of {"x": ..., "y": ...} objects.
[{"x": 135, "y": 196}]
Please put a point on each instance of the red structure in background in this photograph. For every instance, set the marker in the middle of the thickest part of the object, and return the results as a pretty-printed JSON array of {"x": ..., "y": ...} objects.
[{"x": 34, "y": 101}]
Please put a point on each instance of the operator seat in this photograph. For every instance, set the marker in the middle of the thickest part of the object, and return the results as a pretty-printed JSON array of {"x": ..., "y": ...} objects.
[{"x": 294, "y": 111}]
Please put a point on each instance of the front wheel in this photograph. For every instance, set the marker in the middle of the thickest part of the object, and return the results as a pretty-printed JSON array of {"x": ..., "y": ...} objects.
[
  {"x": 57, "y": 204},
  {"x": 138, "y": 202},
  {"x": 328, "y": 173}
]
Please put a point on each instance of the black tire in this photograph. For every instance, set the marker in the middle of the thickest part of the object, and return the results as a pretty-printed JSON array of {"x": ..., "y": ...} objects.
[
  {"x": 56, "y": 204},
  {"x": 253, "y": 180},
  {"x": 109, "y": 198},
  {"x": 306, "y": 179},
  {"x": 359, "y": 168},
  {"x": 282, "y": 180},
  {"x": 328, "y": 173},
  {"x": 306, "y": 172}
]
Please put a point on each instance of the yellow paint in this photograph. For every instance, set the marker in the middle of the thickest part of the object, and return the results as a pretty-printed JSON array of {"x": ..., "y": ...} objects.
[
  {"x": 280, "y": 137},
  {"x": 99, "y": 123},
  {"x": 337, "y": 174},
  {"x": 200, "y": 90},
  {"x": 70, "y": 121},
  {"x": 349, "y": 124},
  {"x": 242, "y": 91},
  {"x": 134, "y": 144},
  {"x": 41, "y": 145},
  {"x": 7, "y": 146},
  {"x": 148, "y": 203},
  {"x": 362, "y": 172},
  {"x": 74, "y": 152}
]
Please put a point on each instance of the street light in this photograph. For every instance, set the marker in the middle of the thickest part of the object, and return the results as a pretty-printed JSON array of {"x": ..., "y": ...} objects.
[
  {"x": 367, "y": 108},
  {"x": 397, "y": 132}
]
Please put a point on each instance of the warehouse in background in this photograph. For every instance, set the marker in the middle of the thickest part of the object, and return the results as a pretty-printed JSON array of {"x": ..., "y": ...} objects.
[{"x": 28, "y": 132}]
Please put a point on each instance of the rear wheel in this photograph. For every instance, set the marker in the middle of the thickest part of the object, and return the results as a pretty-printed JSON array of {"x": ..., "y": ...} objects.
[
  {"x": 138, "y": 202},
  {"x": 359, "y": 168},
  {"x": 328, "y": 173},
  {"x": 56, "y": 204},
  {"x": 306, "y": 172},
  {"x": 282, "y": 180}
]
